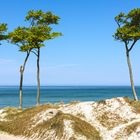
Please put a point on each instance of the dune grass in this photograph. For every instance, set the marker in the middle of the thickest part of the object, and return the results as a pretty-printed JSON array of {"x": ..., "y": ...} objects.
[
  {"x": 21, "y": 123},
  {"x": 133, "y": 103},
  {"x": 17, "y": 121},
  {"x": 110, "y": 120},
  {"x": 56, "y": 123},
  {"x": 131, "y": 128}
]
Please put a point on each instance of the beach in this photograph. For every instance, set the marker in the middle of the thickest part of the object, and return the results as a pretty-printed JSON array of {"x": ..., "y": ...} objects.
[{"x": 116, "y": 118}]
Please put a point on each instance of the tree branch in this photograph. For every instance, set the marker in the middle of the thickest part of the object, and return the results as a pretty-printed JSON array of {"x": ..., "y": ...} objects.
[
  {"x": 132, "y": 45},
  {"x": 23, "y": 67},
  {"x": 34, "y": 53},
  {"x": 118, "y": 23}
]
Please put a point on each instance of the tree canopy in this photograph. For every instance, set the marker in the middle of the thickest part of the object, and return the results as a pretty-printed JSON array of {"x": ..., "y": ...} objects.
[
  {"x": 128, "y": 30},
  {"x": 3, "y": 29},
  {"x": 33, "y": 37}
]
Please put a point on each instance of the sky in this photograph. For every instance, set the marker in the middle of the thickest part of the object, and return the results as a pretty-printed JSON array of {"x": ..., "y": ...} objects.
[{"x": 86, "y": 54}]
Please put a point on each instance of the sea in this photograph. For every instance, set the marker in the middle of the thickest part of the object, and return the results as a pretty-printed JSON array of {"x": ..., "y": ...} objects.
[{"x": 9, "y": 95}]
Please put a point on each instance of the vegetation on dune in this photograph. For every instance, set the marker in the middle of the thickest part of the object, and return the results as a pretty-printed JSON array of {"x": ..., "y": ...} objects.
[
  {"x": 47, "y": 122},
  {"x": 131, "y": 128},
  {"x": 134, "y": 104},
  {"x": 56, "y": 123},
  {"x": 110, "y": 120},
  {"x": 128, "y": 130},
  {"x": 18, "y": 122}
]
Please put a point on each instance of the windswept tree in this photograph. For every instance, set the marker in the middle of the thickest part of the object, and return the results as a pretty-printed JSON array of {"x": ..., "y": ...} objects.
[
  {"x": 3, "y": 29},
  {"x": 41, "y": 31},
  {"x": 30, "y": 39},
  {"x": 21, "y": 37},
  {"x": 128, "y": 32}
]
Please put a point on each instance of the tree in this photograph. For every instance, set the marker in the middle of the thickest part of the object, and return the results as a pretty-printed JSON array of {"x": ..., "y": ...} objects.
[
  {"x": 31, "y": 39},
  {"x": 3, "y": 29},
  {"x": 21, "y": 37},
  {"x": 41, "y": 31},
  {"x": 128, "y": 32}
]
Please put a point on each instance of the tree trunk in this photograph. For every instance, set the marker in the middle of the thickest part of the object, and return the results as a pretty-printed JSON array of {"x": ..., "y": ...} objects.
[
  {"x": 22, "y": 68},
  {"x": 20, "y": 87},
  {"x": 131, "y": 76},
  {"x": 38, "y": 77}
]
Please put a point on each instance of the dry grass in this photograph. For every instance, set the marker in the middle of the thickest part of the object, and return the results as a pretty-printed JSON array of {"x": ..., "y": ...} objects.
[
  {"x": 110, "y": 120},
  {"x": 17, "y": 123},
  {"x": 9, "y": 111},
  {"x": 57, "y": 123},
  {"x": 131, "y": 128},
  {"x": 21, "y": 123},
  {"x": 74, "y": 102},
  {"x": 83, "y": 128},
  {"x": 134, "y": 104},
  {"x": 102, "y": 102},
  {"x": 72, "y": 138},
  {"x": 80, "y": 115},
  {"x": 128, "y": 130}
]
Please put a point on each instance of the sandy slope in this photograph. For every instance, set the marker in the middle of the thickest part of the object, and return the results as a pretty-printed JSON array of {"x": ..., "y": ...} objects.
[
  {"x": 114, "y": 119},
  {"x": 10, "y": 137}
]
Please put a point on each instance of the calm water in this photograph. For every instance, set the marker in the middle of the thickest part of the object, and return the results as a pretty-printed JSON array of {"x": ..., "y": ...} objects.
[{"x": 9, "y": 94}]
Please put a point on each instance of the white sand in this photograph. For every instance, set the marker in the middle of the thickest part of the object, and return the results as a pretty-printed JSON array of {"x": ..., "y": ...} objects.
[
  {"x": 116, "y": 108},
  {"x": 10, "y": 137}
]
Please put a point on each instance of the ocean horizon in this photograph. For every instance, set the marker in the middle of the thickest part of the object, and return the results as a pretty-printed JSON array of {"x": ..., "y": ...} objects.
[{"x": 9, "y": 95}]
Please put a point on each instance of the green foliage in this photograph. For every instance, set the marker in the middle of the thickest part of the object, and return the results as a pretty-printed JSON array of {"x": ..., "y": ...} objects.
[
  {"x": 41, "y": 18},
  {"x": 3, "y": 29},
  {"x": 39, "y": 31},
  {"x": 20, "y": 37},
  {"x": 128, "y": 26}
]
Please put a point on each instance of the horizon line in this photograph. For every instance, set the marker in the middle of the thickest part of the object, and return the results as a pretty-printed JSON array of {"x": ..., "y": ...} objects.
[{"x": 66, "y": 85}]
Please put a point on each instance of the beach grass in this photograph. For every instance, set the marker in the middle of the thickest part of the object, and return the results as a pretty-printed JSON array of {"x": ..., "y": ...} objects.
[
  {"x": 19, "y": 123},
  {"x": 133, "y": 103}
]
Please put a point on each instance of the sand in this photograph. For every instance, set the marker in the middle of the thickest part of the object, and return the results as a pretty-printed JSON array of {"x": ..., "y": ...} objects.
[{"x": 10, "y": 137}]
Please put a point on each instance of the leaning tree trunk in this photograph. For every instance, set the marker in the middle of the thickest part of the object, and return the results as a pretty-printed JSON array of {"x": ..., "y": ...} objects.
[
  {"x": 22, "y": 68},
  {"x": 38, "y": 77},
  {"x": 131, "y": 76},
  {"x": 20, "y": 87}
]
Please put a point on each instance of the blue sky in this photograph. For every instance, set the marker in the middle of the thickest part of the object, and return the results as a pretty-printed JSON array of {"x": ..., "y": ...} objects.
[{"x": 86, "y": 54}]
